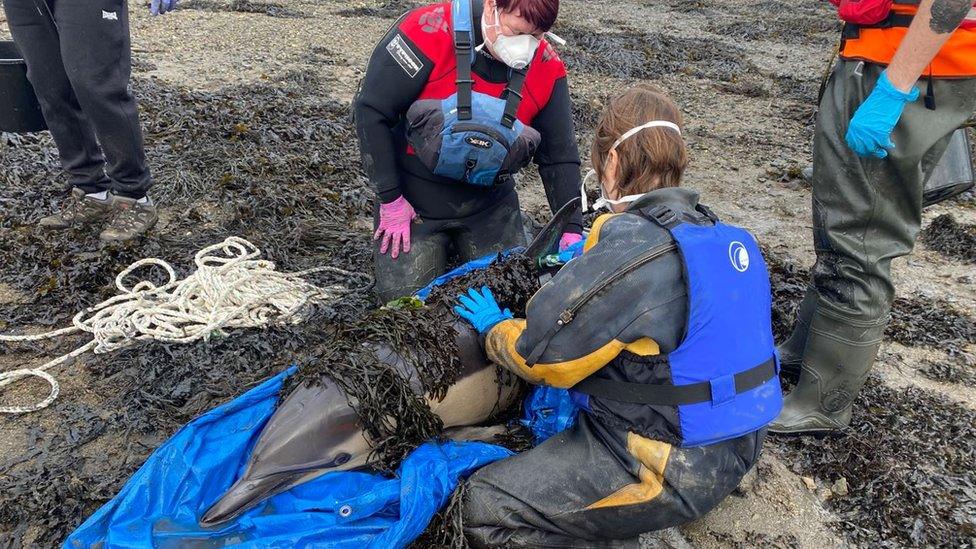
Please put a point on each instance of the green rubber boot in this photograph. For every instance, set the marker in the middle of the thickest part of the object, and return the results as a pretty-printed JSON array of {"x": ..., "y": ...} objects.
[
  {"x": 838, "y": 356},
  {"x": 791, "y": 351}
]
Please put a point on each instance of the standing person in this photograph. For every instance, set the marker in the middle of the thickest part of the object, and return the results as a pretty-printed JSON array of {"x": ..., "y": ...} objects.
[
  {"x": 877, "y": 139},
  {"x": 78, "y": 56},
  {"x": 662, "y": 331},
  {"x": 457, "y": 97}
]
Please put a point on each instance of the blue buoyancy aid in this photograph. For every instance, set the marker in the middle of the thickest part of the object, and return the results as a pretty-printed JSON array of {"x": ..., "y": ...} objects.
[
  {"x": 471, "y": 137},
  {"x": 723, "y": 375},
  {"x": 729, "y": 335}
]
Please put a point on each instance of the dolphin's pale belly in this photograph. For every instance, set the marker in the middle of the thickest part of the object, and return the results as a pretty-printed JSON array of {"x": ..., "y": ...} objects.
[{"x": 315, "y": 430}]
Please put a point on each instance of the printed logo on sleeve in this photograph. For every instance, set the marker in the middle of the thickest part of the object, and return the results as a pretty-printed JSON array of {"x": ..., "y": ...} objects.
[
  {"x": 404, "y": 56},
  {"x": 433, "y": 21},
  {"x": 110, "y": 15}
]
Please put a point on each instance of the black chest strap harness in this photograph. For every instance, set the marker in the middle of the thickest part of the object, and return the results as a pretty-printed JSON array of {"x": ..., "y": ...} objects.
[{"x": 464, "y": 53}]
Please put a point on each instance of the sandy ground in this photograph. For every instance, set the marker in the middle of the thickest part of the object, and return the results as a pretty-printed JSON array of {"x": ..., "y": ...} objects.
[{"x": 740, "y": 146}]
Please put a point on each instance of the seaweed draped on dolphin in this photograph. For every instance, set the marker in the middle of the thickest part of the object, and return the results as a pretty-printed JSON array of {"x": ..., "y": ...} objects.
[{"x": 316, "y": 430}]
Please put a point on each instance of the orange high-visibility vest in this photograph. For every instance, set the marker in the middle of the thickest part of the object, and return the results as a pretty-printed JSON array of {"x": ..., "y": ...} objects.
[{"x": 878, "y": 43}]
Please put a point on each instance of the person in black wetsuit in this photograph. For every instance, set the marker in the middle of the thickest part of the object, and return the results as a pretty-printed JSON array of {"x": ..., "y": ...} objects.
[
  {"x": 662, "y": 333},
  {"x": 425, "y": 215}
]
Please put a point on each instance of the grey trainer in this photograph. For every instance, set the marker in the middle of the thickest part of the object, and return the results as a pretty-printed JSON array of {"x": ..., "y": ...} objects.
[
  {"x": 132, "y": 219},
  {"x": 80, "y": 209}
]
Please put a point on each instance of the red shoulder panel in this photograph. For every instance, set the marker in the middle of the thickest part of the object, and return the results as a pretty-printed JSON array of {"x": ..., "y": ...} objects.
[
  {"x": 429, "y": 28},
  {"x": 546, "y": 69}
]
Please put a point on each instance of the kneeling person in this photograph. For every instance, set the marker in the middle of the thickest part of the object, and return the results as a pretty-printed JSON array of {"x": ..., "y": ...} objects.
[
  {"x": 662, "y": 329},
  {"x": 457, "y": 98}
]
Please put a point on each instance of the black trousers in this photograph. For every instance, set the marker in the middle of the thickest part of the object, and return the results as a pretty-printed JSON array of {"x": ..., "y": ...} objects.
[
  {"x": 78, "y": 56},
  {"x": 495, "y": 229},
  {"x": 594, "y": 486}
]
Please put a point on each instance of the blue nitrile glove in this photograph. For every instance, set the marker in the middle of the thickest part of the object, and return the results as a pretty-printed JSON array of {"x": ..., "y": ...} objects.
[
  {"x": 571, "y": 252},
  {"x": 869, "y": 133},
  {"x": 159, "y": 7},
  {"x": 481, "y": 309}
]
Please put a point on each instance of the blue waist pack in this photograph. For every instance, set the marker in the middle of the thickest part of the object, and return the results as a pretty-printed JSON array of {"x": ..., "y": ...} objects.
[{"x": 472, "y": 137}]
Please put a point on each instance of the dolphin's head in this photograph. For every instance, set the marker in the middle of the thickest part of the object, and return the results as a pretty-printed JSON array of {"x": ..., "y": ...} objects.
[{"x": 313, "y": 432}]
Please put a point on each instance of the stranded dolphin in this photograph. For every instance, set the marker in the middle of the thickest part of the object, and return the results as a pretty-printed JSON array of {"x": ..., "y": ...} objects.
[{"x": 315, "y": 431}]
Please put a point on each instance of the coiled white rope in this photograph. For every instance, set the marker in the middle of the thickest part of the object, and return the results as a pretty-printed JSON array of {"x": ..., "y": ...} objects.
[{"x": 231, "y": 288}]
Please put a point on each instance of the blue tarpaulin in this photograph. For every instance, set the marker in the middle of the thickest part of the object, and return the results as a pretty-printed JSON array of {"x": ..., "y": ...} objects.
[{"x": 162, "y": 502}]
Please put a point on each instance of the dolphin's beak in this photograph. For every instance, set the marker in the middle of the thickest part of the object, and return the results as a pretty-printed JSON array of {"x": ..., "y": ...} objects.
[{"x": 313, "y": 432}]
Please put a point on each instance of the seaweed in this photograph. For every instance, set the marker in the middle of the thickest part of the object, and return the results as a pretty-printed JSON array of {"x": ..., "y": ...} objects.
[
  {"x": 271, "y": 9},
  {"x": 630, "y": 54},
  {"x": 909, "y": 458},
  {"x": 788, "y": 283},
  {"x": 951, "y": 238},
  {"x": 388, "y": 9},
  {"x": 274, "y": 163},
  {"x": 909, "y": 455},
  {"x": 959, "y": 368},
  {"x": 799, "y": 29},
  {"x": 147, "y": 392},
  {"x": 915, "y": 321},
  {"x": 748, "y": 539},
  {"x": 390, "y": 405}
]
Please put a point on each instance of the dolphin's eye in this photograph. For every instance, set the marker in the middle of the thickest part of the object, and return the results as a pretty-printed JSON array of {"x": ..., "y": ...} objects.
[{"x": 342, "y": 458}]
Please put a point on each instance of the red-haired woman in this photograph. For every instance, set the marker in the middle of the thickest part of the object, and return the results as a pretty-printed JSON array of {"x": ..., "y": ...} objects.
[{"x": 441, "y": 140}]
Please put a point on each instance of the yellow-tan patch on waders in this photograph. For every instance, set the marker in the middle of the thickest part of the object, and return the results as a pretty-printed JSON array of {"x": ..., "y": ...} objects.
[{"x": 653, "y": 456}]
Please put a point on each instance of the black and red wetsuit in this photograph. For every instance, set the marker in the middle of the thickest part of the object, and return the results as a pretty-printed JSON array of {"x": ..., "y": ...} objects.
[{"x": 416, "y": 60}]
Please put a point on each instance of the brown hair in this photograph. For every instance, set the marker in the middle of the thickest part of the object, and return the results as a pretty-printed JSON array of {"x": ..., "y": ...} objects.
[{"x": 650, "y": 159}]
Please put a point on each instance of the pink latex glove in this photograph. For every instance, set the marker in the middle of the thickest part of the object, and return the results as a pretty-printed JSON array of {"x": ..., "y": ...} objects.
[
  {"x": 395, "y": 219},
  {"x": 568, "y": 239}
]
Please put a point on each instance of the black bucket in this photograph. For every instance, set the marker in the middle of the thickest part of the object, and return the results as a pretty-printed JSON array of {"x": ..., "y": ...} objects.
[
  {"x": 953, "y": 175},
  {"x": 19, "y": 111}
]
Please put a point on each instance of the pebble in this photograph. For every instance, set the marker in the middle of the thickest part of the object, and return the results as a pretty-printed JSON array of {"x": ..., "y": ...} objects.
[
  {"x": 809, "y": 483},
  {"x": 839, "y": 488}
]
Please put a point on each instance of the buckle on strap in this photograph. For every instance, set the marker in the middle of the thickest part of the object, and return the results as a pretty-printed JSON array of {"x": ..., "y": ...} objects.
[
  {"x": 462, "y": 40},
  {"x": 663, "y": 215},
  {"x": 707, "y": 212}
]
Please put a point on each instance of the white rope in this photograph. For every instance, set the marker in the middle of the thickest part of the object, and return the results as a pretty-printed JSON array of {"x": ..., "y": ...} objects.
[{"x": 231, "y": 288}]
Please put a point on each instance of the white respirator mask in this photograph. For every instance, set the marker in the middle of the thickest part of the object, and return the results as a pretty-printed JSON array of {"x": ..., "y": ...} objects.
[
  {"x": 604, "y": 201},
  {"x": 515, "y": 51}
]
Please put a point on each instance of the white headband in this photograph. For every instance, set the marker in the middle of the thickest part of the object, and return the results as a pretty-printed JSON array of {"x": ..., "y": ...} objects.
[
  {"x": 628, "y": 134},
  {"x": 652, "y": 124}
]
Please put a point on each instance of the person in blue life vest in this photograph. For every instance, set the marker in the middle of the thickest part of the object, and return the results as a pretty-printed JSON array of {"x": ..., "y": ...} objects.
[
  {"x": 662, "y": 331},
  {"x": 457, "y": 98}
]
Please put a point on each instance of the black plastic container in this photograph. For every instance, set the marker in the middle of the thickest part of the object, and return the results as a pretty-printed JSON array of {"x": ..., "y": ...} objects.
[
  {"x": 19, "y": 111},
  {"x": 953, "y": 175}
]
